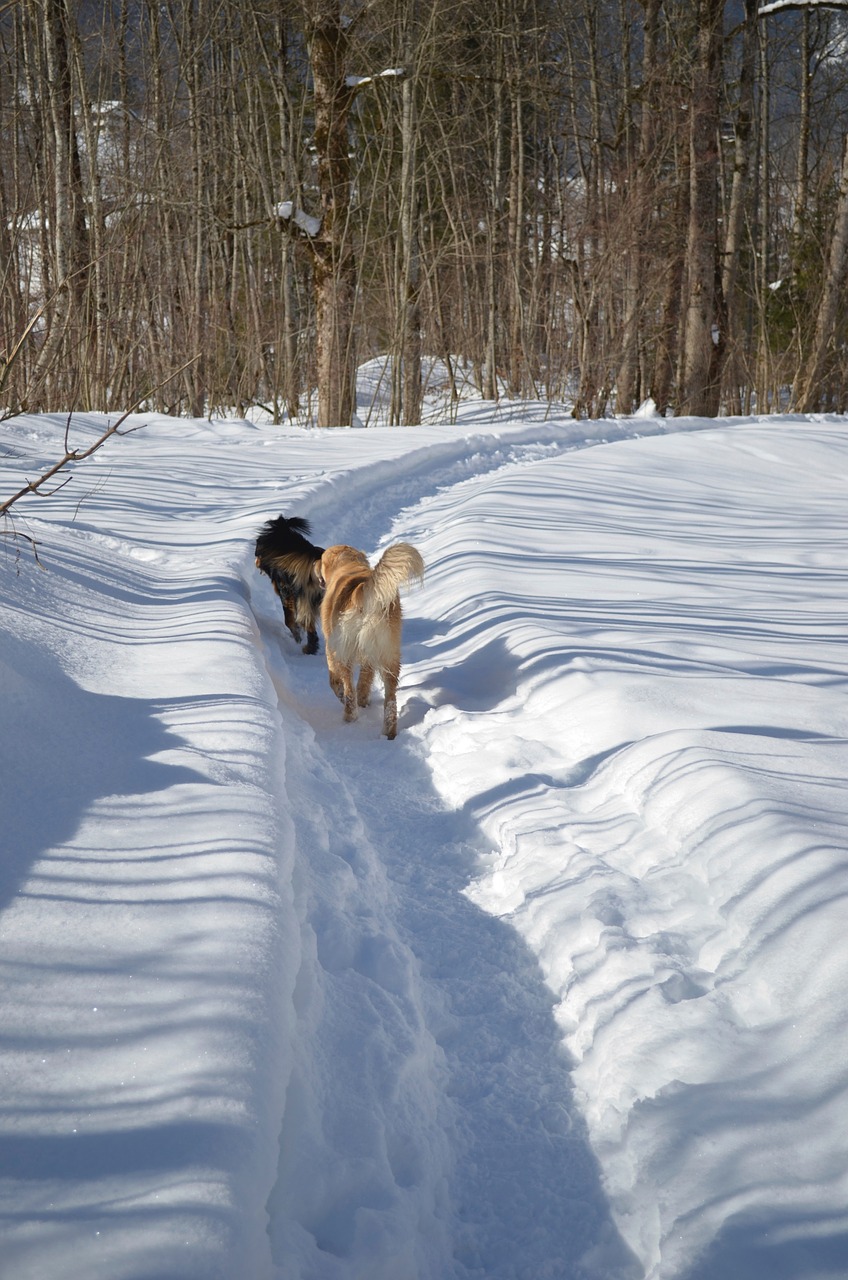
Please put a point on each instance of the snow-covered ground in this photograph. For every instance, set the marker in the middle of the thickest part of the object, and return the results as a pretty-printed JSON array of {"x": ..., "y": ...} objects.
[{"x": 554, "y": 986}]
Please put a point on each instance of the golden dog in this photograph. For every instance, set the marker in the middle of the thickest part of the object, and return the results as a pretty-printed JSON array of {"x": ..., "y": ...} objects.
[{"x": 361, "y": 620}]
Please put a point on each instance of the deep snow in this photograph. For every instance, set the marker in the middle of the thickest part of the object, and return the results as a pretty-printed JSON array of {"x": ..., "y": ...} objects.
[{"x": 552, "y": 986}]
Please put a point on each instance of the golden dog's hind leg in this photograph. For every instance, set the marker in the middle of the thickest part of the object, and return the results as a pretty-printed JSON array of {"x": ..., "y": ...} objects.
[
  {"x": 341, "y": 683},
  {"x": 350, "y": 708},
  {"x": 390, "y": 684},
  {"x": 363, "y": 685},
  {"x": 334, "y": 671}
]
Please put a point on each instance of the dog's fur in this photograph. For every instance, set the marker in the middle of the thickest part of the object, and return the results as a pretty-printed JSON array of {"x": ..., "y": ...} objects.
[
  {"x": 361, "y": 619},
  {"x": 284, "y": 552}
]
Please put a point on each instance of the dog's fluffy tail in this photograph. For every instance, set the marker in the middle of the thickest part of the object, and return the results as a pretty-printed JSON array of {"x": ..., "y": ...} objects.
[
  {"x": 399, "y": 564},
  {"x": 283, "y": 535},
  {"x": 300, "y": 525}
]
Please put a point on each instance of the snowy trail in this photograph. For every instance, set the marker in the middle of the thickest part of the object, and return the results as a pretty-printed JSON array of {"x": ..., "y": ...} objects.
[
  {"x": 149, "y": 948},
  {"x": 425, "y": 1014},
  {"x": 567, "y": 954},
  {"x": 592, "y": 847}
]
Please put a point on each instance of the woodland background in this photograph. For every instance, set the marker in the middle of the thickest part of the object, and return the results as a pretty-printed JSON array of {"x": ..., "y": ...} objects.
[{"x": 221, "y": 204}]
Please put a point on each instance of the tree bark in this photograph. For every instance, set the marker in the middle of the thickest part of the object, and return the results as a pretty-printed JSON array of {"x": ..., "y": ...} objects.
[
  {"x": 738, "y": 195},
  {"x": 702, "y": 344},
  {"x": 808, "y": 393},
  {"x": 334, "y": 265},
  {"x": 411, "y": 260},
  {"x": 627, "y": 382}
]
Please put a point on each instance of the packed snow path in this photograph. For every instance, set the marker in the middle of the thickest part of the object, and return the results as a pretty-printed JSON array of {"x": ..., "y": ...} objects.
[{"x": 430, "y": 1129}]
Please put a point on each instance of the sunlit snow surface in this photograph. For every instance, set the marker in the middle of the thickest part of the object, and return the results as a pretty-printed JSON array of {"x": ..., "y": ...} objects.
[{"x": 554, "y": 985}]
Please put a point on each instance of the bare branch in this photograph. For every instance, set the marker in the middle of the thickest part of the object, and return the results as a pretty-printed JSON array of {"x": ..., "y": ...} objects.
[
  {"x": 78, "y": 455},
  {"x": 16, "y": 349},
  {"x": 15, "y": 534}
]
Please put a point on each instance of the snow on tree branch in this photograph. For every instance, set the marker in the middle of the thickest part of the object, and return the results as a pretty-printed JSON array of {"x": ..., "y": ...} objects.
[
  {"x": 357, "y": 82},
  {"x": 778, "y": 6},
  {"x": 287, "y": 211}
]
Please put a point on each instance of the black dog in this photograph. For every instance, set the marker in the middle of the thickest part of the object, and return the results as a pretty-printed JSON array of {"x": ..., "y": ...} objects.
[{"x": 285, "y": 554}]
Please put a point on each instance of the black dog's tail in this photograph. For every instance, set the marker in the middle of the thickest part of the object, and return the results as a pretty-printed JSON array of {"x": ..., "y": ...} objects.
[
  {"x": 299, "y": 524},
  {"x": 282, "y": 535}
]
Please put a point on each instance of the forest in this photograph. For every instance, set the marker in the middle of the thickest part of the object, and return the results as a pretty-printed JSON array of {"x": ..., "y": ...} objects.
[{"x": 217, "y": 205}]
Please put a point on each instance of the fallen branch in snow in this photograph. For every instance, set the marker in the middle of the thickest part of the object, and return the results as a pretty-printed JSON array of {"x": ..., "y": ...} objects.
[
  {"x": 38, "y": 487},
  {"x": 70, "y": 455}
]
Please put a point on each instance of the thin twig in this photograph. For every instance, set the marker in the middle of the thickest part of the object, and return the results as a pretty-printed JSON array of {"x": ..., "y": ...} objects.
[{"x": 77, "y": 455}]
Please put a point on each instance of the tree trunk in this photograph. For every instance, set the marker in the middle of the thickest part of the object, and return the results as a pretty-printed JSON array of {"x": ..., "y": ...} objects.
[
  {"x": 702, "y": 346},
  {"x": 738, "y": 195},
  {"x": 411, "y": 275},
  {"x": 68, "y": 235},
  {"x": 808, "y": 394},
  {"x": 517, "y": 277},
  {"x": 627, "y": 382},
  {"x": 494, "y": 237},
  {"x": 802, "y": 160},
  {"x": 763, "y": 374},
  {"x": 334, "y": 263}
]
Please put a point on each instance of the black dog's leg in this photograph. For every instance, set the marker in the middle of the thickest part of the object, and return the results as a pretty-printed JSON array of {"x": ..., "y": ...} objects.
[
  {"x": 290, "y": 617},
  {"x": 311, "y": 645}
]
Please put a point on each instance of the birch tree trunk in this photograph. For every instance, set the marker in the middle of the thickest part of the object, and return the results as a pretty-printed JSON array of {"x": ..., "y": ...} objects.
[{"x": 802, "y": 160}]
